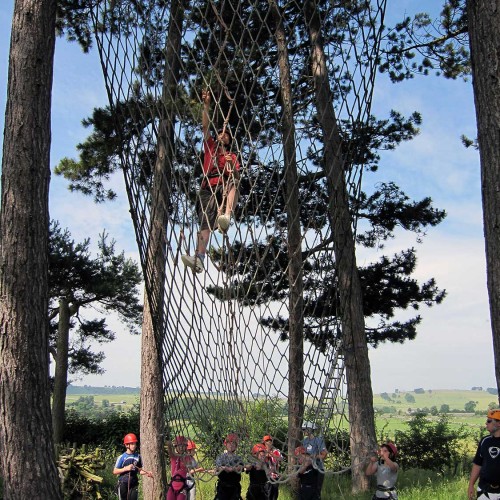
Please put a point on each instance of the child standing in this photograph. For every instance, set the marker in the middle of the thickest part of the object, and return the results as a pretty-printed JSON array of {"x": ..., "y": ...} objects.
[
  {"x": 180, "y": 464},
  {"x": 193, "y": 468},
  {"x": 308, "y": 475},
  {"x": 229, "y": 468},
  {"x": 273, "y": 460},
  {"x": 259, "y": 484},
  {"x": 128, "y": 466},
  {"x": 387, "y": 471}
]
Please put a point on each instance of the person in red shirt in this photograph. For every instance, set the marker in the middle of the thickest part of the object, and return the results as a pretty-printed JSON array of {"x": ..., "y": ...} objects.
[
  {"x": 219, "y": 189},
  {"x": 273, "y": 458}
]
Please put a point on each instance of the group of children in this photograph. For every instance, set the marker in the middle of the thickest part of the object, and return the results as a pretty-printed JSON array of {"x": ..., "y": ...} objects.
[
  {"x": 183, "y": 465},
  {"x": 263, "y": 470}
]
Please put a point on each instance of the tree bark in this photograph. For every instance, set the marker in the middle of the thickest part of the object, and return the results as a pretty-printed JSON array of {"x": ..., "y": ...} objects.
[
  {"x": 296, "y": 299},
  {"x": 152, "y": 393},
  {"x": 152, "y": 409},
  {"x": 28, "y": 462},
  {"x": 355, "y": 348},
  {"x": 484, "y": 39},
  {"x": 61, "y": 371}
]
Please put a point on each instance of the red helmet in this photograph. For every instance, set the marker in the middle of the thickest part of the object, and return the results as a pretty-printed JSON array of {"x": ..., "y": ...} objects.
[
  {"x": 180, "y": 440},
  {"x": 191, "y": 445},
  {"x": 231, "y": 437},
  {"x": 130, "y": 438},
  {"x": 300, "y": 450},
  {"x": 257, "y": 448},
  {"x": 391, "y": 447}
]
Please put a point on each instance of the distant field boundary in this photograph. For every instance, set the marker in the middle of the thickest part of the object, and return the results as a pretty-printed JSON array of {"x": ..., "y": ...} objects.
[
  {"x": 87, "y": 390},
  {"x": 400, "y": 400}
]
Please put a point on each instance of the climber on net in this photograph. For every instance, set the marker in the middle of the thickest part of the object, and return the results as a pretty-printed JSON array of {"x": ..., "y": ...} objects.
[{"x": 219, "y": 189}]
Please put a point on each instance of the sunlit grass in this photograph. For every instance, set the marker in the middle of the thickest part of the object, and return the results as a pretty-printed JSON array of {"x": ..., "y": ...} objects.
[{"x": 412, "y": 485}]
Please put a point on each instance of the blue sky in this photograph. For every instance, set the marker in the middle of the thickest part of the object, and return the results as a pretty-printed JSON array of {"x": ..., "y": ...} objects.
[{"x": 453, "y": 348}]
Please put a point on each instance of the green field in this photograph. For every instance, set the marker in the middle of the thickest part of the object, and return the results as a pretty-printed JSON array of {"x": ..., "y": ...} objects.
[
  {"x": 125, "y": 401},
  {"x": 456, "y": 399},
  {"x": 387, "y": 423}
]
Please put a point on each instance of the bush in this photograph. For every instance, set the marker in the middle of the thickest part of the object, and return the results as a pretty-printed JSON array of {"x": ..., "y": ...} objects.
[
  {"x": 391, "y": 410},
  {"x": 339, "y": 457},
  {"x": 444, "y": 408},
  {"x": 470, "y": 406},
  {"x": 81, "y": 430},
  {"x": 432, "y": 445}
]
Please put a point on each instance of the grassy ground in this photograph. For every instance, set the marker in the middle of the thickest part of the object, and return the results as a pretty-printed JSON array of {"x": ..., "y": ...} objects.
[{"x": 412, "y": 485}]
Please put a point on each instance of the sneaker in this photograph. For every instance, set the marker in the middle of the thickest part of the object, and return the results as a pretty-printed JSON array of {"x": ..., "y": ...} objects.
[
  {"x": 193, "y": 262},
  {"x": 223, "y": 221}
]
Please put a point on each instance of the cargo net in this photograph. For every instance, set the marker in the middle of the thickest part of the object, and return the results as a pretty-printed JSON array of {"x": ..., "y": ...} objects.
[{"x": 224, "y": 333}]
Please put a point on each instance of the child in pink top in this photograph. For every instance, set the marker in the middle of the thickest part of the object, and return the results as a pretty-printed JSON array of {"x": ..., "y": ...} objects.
[{"x": 180, "y": 463}]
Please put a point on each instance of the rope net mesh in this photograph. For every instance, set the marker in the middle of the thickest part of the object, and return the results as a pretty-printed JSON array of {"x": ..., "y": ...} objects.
[{"x": 224, "y": 334}]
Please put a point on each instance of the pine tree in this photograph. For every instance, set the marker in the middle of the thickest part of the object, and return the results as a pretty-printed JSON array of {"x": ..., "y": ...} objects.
[
  {"x": 79, "y": 282},
  {"x": 27, "y": 459}
]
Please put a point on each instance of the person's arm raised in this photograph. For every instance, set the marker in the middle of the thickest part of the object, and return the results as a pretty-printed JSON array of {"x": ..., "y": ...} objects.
[{"x": 205, "y": 118}]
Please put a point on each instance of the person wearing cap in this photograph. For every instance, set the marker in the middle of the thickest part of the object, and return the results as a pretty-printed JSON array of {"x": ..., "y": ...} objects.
[
  {"x": 383, "y": 464},
  {"x": 273, "y": 460},
  {"x": 229, "y": 467},
  {"x": 486, "y": 462},
  {"x": 128, "y": 467},
  {"x": 316, "y": 449},
  {"x": 219, "y": 189},
  {"x": 308, "y": 475}
]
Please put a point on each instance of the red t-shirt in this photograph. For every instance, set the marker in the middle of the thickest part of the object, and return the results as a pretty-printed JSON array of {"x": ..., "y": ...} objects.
[
  {"x": 214, "y": 163},
  {"x": 274, "y": 458}
]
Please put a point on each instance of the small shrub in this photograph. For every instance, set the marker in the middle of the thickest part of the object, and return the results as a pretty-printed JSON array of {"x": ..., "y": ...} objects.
[
  {"x": 385, "y": 396},
  {"x": 432, "y": 445},
  {"x": 470, "y": 406},
  {"x": 410, "y": 398}
]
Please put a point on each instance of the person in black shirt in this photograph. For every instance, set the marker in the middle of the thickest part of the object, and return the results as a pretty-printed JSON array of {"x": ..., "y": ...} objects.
[
  {"x": 308, "y": 475},
  {"x": 486, "y": 463},
  {"x": 229, "y": 467},
  {"x": 259, "y": 483}
]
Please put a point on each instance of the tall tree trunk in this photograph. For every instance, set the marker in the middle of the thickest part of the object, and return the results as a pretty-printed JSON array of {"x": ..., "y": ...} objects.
[
  {"x": 296, "y": 299},
  {"x": 61, "y": 371},
  {"x": 28, "y": 462},
  {"x": 484, "y": 36},
  {"x": 152, "y": 409},
  {"x": 355, "y": 348}
]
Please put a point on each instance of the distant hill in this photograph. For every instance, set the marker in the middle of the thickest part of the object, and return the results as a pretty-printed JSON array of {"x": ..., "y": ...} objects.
[
  {"x": 398, "y": 400},
  {"x": 91, "y": 390},
  {"x": 421, "y": 398}
]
